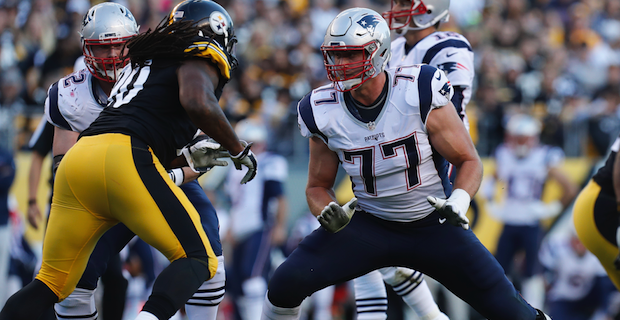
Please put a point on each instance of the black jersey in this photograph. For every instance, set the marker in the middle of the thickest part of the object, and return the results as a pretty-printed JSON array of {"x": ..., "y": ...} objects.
[
  {"x": 604, "y": 176},
  {"x": 145, "y": 104}
]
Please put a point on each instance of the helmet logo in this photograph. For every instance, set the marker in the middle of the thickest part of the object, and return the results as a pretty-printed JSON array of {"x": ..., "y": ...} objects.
[
  {"x": 369, "y": 22},
  {"x": 178, "y": 15},
  {"x": 218, "y": 22}
]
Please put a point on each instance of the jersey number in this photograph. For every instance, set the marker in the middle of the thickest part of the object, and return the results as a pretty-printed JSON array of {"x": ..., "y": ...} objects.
[
  {"x": 389, "y": 150},
  {"x": 128, "y": 86},
  {"x": 75, "y": 79}
]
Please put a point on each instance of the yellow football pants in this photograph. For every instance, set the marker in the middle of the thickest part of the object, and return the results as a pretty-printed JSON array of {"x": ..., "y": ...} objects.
[
  {"x": 589, "y": 234},
  {"x": 111, "y": 178}
]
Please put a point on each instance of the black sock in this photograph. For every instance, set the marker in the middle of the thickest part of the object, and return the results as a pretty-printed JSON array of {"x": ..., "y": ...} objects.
[
  {"x": 29, "y": 303},
  {"x": 175, "y": 285}
]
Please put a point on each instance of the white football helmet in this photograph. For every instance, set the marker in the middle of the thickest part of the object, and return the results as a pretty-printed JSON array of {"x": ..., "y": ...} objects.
[
  {"x": 107, "y": 23},
  {"x": 523, "y": 132},
  {"x": 423, "y": 14},
  {"x": 356, "y": 29}
]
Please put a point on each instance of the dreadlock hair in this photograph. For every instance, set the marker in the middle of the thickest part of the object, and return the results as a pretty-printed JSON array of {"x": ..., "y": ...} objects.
[{"x": 168, "y": 41}]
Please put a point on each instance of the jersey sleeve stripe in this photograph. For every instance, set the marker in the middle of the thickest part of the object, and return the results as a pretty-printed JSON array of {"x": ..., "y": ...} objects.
[
  {"x": 208, "y": 50},
  {"x": 305, "y": 111},
  {"x": 425, "y": 91},
  {"x": 432, "y": 52},
  {"x": 54, "y": 112},
  {"x": 457, "y": 100}
]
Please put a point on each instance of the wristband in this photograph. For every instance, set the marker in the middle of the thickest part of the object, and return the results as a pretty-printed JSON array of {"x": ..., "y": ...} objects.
[
  {"x": 32, "y": 201},
  {"x": 177, "y": 175}
]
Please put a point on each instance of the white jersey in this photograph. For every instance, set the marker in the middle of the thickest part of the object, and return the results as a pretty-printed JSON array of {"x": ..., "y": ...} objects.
[
  {"x": 574, "y": 275},
  {"x": 390, "y": 160},
  {"x": 72, "y": 104},
  {"x": 252, "y": 207},
  {"x": 525, "y": 179},
  {"x": 445, "y": 50}
]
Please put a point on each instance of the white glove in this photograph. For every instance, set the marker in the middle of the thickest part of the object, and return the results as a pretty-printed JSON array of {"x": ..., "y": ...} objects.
[
  {"x": 202, "y": 154},
  {"x": 453, "y": 209},
  {"x": 245, "y": 158},
  {"x": 334, "y": 217}
]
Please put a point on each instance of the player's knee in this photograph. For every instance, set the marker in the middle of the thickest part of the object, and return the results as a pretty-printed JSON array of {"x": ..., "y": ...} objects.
[
  {"x": 286, "y": 291},
  {"x": 398, "y": 276},
  {"x": 211, "y": 292}
]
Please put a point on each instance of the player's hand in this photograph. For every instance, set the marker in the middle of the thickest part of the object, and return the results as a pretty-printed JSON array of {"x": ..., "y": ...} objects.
[
  {"x": 245, "y": 158},
  {"x": 203, "y": 153},
  {"x": 334, "y": 217},
  {"x": 34, "y": 215},
  {"x": 453, "y": 209}
]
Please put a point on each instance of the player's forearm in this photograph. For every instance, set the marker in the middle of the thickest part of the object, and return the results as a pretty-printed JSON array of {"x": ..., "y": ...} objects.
[
  {"x": 469, "y": 176},
  {"x": 213, "y": 123},
  {"x": 318, "y": 198},
  {"x": 34, "y": 175}
]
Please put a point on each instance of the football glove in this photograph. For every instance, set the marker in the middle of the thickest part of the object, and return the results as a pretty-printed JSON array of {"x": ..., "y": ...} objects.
[
  {"x": 245, "y": 158},
  {"x": 334, "y": 217},
  {"x": 453, "y": 209},
  {"x": 202, "y": 154}
]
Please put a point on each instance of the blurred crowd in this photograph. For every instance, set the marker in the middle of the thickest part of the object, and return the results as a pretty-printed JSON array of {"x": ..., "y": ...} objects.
[{"x": 558, "y": 60}]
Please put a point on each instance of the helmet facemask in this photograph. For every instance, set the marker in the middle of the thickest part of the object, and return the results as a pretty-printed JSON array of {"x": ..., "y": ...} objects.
[
  {"x": 417, "y": 14},
  {"x": 393, "y": 17},
  {"x": 105, "y": 68},
  {"x": 350, "y": 75}
]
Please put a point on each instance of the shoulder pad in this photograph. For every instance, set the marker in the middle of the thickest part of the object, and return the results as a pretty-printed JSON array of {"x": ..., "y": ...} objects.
[
  {"x": 213, "y": 51},
  {"x": 52, "y": 111}
]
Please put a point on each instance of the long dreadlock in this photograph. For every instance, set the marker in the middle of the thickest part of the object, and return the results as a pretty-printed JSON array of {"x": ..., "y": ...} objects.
[{"x": 168, "y": 41}]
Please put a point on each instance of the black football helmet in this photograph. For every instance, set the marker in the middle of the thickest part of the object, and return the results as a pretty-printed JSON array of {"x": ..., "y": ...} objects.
[{"x": 213, "y": 21}]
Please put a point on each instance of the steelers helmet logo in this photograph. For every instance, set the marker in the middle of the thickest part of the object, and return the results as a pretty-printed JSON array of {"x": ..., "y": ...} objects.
[{"x": 218, "y": 22}]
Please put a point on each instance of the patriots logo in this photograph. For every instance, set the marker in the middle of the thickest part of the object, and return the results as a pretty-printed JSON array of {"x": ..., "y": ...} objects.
[
  {"x": 369, "y": 22},
  {"x": 445, "y": 90},
  {"x": 448, "y": 67}
]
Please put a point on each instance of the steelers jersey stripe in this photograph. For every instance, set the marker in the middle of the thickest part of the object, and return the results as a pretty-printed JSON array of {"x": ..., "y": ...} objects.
[
  {"x": 216, "y": 54},
  {"x": 170, "y": 207}
]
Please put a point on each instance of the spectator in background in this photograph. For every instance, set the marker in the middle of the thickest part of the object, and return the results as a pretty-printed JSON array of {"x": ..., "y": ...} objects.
[
  {"x": 525, "y": 166},
  {"x": 577, "y": 285},
  {"x": 7, "y": 174},
  {"x": 257, "y": 222}
]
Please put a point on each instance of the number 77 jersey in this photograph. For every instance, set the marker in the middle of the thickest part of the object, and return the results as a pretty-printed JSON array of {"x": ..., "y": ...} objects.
[{"x": 390, "y": 160}]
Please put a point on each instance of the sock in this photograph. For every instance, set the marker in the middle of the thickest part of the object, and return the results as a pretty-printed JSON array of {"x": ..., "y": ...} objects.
[
  {"x": 204, "y": 303},
  {"x": 410, "y": 285},
  {"x": 175, "y": 285},
  {"x": 80, "y": 304},
  {"x": 251, "y": 302},
  {"x": 370, "y": 297},
  {"x": 29, "y": 303},
  {"x": 271, "y": 312}
]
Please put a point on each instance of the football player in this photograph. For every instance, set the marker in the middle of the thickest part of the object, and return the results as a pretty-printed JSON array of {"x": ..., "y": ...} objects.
[
  {"x": 595, "y": 214},
  {"x": 417, "y": 21},
  {"x": 257, "y": 222},
  {"x": 385, "y": 128},
  {"x": 116, "y": 172},
  {"x": 105, "y": 29},
  {"x": 526, "y": 166}
]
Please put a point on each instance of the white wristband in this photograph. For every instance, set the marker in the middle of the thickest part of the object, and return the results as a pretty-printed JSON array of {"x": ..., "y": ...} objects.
[{"x": 177, "y": 175}]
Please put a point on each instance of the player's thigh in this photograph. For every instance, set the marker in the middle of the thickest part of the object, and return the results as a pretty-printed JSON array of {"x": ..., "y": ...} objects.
[
  {"x": 144, "y": 198},
  {"x": 73, "y": 229},
  {"x": 324, "y": 258},
  {"x": 596, "y": 219}
]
